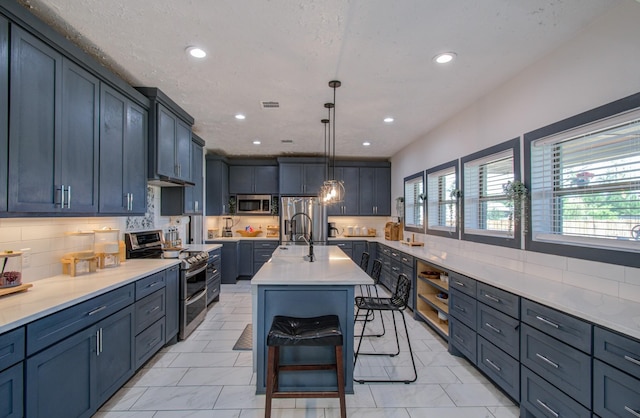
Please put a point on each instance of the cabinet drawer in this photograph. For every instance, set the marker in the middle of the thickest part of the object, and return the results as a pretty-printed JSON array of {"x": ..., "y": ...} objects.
[
  {"x": 265, "y": 245},
  {"x": 500, "y": 329},
  {"x": 12, "y": 347},
  {"x": 615, "y": 394},
  {"x": 384, "y": 250},
  {"x": 55, "y": 327},
  {"x": 402, "y": 258},
  {"x": 148, "y": 342},
  {"x": 564, "y": 366},
  {"x": 149, "y": 310},
  {"x": 344, "y": 245},
  {"x": 463, "y": 338},
  {"x": 462, "y": 283},
  {"x": 463, "y": 308},
  {"x": 542, "y": 400},
  {"x": 617, "y": 350},
  {"x": 262, "y": 256},
  {"x": 566, "y": 328},
  {"x": 500, "y": 367},
  {"x": 499, "y": 299},
  {"x": 149, "y": 284}
]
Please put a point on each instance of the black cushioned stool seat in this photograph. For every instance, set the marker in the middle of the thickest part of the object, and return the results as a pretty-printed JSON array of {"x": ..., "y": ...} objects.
[{"x": 304, "y": 332}]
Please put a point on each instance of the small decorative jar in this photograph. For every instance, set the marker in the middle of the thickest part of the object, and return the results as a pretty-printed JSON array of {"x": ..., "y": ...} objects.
[
  {"x": 11, "y": 265},
  {"x": 80, "y": 258},
  {"x": 107, "y": 247}
]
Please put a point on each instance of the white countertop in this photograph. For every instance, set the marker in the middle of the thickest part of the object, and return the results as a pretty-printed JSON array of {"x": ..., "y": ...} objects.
[
  {"x": 59, "y": 292},
  {"x": 612, "y": 312},
  {"x": 331, "y": 267}
]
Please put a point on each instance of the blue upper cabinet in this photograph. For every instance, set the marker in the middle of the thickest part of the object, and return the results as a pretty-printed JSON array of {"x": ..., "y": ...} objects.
[
  {"x": 53, "y": 130},
  {"x": 349, "y": 176},
  {"x": 253, "y": 179},
  {"x": 123, "y": 151},
  {"x": 169, "y": 140},
  {"x": 4, "y": 111},
  {"x": 300, "y": 177},
  {"x": 375, "y": 191},
  {"x": 217, "y": 184}
]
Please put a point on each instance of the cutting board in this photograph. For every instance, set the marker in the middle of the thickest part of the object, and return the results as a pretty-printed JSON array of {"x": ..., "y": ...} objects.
[{"x": 14, "y": 289}]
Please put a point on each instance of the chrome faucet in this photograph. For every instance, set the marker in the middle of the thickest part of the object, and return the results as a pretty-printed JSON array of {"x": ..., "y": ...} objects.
[{"x": 311, "y": 257}]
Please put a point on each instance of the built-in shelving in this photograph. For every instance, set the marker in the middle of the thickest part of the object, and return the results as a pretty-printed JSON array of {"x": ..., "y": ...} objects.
[{"x": 429, "y": 307}]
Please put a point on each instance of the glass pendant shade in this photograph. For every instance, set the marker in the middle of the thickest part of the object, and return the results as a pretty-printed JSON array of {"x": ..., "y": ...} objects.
[{"x": 331, "y": 192}]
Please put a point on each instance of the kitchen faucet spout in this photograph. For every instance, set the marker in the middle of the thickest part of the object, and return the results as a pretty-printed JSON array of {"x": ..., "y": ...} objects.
[{"x": 310, "y": 257}]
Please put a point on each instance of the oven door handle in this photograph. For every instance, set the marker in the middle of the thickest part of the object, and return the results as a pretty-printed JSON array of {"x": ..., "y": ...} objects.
[
  {"x": 190, "y": 274},
  {"x": 196, "y": 297}
]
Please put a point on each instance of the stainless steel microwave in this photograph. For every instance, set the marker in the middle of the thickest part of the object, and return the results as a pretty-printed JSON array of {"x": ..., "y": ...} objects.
[{"x": 254, "y": 204}]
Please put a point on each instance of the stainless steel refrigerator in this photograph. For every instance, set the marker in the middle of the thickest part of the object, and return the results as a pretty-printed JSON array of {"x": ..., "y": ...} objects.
[{"x": 300, "y": 216}]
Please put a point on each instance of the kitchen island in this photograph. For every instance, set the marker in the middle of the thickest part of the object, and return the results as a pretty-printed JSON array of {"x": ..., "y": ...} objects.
[{"x": 289, "y": 285}]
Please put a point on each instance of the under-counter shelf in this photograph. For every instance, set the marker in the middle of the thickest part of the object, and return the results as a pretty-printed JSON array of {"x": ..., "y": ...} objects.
[{"x": 432, "y": 296}]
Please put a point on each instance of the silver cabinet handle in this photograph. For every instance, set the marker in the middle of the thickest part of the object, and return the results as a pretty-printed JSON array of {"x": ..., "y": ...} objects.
[
  {"x": 153, "y": 310},
  {"x": 631, "y": 359},
  {"x": 545, "y": 406},
  {"x": 458, "y": 283},
  {"x": 95, "y": 311},
  {"x": 492, "y": 364},
  {"x": 540, "y": 356},
  {"x": 131, "y": 202},
  {"x": 492, "y": 328},
  {"x": 101, "y": 340},
  {"x": 62, "y": 196},
  {"x": 405, "y": 259},
  {"x": 459, "y": 338},
  {"x": 632, "y": 411},
  {"x": 460, "y": 308},
  {"x": 546, "y": 321},
  {"x": 69, "y": 197},
  {"x": 492, "y": 298},
  {"x": 196, "y": 205},
  {"x": 98, "y": 343}
]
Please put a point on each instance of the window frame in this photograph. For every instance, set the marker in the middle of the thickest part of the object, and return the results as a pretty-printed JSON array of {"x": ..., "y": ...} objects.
[
  {"x": 606, "y": 255},
  {"x": 423, "y": 205},
  {"x": 443, "y": 232},
  {"x": 504, "y": 241}
]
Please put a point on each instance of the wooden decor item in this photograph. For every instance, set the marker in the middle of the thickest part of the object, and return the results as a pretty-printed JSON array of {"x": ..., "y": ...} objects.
[{"x": 14, "y": 289}]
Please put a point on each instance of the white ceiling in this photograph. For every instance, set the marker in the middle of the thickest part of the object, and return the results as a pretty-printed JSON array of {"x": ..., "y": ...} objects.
[{"x": 288, "y": 51}]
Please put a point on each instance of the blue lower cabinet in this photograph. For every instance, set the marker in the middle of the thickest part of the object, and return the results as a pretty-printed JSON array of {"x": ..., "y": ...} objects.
[
  {"x": 563, "y": 366},
  {"x": 463, "y": 339},
  {"x": 11, "y": 392},
  {"x": 539, "y": 399},
  {"x": 73, "y": 377},
  {"x": 148, "y": 342},
  {"x": 615, "y": 394},
  {"x": 172, "y": 304},
  {"x": 503, "y": 369}
]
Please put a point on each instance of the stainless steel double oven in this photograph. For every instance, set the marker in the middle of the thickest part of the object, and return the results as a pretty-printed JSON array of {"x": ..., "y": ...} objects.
[{"x": 193, "y": 276}]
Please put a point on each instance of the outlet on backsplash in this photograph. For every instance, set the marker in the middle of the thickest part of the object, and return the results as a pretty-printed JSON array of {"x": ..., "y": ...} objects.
[{"x": 26, "y": 257}]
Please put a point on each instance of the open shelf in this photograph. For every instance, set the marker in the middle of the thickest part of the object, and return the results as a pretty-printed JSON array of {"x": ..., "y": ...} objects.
[{"x": 428, "y": 286}]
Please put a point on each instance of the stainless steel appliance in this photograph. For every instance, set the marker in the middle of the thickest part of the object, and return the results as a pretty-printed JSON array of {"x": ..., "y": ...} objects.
[
  {"x": 228, "y": 224},
  {"x": 193, "y": 276},
  {"x": 301, "y": 216},
  {"x": 254, "y": 204},
  {"x": 195, "y": 230},
  {"x": 332, "y": 230}
]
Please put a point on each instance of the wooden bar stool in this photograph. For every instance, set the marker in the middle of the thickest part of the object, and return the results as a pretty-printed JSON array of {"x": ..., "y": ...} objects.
[{"x": 307, "y": 332}]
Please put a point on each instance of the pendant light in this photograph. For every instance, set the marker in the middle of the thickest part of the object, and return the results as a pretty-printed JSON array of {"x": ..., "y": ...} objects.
[{"x": 332, "y": 190}]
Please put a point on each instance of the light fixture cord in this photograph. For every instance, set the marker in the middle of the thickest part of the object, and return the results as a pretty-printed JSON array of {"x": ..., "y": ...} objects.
[{"x": 333, "y": 166}]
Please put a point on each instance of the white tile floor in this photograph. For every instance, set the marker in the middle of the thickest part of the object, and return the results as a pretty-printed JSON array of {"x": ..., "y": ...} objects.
[{"x": 203, "y": 377}]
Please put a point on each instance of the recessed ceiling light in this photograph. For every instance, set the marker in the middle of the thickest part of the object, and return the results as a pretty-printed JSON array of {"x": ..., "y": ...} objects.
[
  {"x": 240, "y": 116},
  {"x": 388, "y": 120},
  {"x": 366, "y": 143},
  {"x": 196, "y": 52},
  {"x": 444, "y": 58},
  {"x": 256, "y": 142}
]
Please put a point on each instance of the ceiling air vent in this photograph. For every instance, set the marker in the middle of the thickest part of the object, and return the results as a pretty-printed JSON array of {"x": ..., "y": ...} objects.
[
  {"x": 287, "y": 141},
  {"x": 269, "y": 105}
]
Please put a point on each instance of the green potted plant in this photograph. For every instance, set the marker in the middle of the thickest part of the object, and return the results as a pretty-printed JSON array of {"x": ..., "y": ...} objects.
[{"x": 517, "y": 196}]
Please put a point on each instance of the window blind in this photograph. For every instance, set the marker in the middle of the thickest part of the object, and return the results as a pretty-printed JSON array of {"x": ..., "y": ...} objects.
[
  {"x": 585, "y": 185},
  {"x": 413, "y": 207},
  {"x": 487, "y": 211},
  {"x": 442, "y": 209}
]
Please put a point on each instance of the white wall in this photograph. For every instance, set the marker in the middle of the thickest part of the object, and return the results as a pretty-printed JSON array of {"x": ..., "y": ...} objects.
[{"x": 601, "y": 64}]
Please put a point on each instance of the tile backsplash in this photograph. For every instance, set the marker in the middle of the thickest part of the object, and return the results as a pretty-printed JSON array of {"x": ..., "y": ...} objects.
[{"x": 45, "y": 237}]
